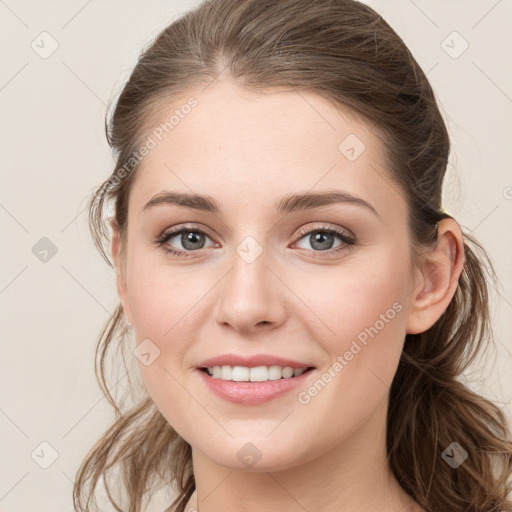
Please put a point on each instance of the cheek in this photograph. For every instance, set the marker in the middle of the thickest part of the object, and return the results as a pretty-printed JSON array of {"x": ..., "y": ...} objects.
[
  {"x": 363, "y": 326},
  {"x": 159, "y": 295},
  {"x": 162, "y": 302},
  {"x": 362, "y": 309},
  {"x": 353, "y": 298}
]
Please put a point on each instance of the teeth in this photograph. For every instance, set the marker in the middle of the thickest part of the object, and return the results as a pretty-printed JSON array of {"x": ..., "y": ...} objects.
[{"x": 255, "y": 374}]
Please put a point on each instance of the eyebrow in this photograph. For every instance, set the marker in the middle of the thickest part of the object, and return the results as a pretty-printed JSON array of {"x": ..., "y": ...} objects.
[{"x": 287, "y": 204}]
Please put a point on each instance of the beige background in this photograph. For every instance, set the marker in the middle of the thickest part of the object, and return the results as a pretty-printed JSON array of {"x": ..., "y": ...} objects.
[{"x": 54, "y": 152}]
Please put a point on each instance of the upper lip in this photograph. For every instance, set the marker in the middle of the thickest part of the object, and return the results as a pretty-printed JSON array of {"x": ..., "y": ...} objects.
[{"x": 252, "y": 361}]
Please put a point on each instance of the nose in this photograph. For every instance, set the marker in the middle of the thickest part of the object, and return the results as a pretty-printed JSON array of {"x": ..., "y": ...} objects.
[{"x": 251, "y": 296}]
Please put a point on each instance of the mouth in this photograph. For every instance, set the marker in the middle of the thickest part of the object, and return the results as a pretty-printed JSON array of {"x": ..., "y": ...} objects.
[{"x": 254, "y": 385}]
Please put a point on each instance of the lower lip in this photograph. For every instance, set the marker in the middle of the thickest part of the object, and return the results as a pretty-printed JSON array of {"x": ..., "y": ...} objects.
[{"x": 251, "y": 393}]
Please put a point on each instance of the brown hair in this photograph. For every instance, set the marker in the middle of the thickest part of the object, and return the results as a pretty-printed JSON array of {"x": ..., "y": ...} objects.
[{"x": 345, "y": 52}]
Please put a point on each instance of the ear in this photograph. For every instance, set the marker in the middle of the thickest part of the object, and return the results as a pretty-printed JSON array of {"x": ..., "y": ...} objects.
[
  {"x": 120, "y": 266},
  {"x": 437, "y": 278}
]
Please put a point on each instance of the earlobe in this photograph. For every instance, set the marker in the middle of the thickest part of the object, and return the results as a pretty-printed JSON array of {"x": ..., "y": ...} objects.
[
  {"x": 120, "y": 271},
  {"x": 437, "y": 278}
]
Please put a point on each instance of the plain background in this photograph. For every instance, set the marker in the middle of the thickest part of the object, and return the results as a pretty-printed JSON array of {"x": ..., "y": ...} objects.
[{"x": 54, "y": 153}]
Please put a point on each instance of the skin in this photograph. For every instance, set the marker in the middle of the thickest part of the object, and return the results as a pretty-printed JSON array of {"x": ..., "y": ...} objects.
[{"x": 247, "y": 150}]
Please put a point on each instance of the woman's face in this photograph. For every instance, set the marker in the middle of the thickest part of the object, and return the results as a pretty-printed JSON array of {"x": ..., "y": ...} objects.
[{"x": 261, "y": 280}]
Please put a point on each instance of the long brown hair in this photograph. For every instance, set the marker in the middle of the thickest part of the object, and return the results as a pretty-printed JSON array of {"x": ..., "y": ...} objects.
[{"x": 345, "y": 52}]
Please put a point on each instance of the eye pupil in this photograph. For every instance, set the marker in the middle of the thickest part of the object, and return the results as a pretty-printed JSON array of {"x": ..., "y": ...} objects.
[
  {"x": 322, "y": 240},
  {"x": 191, "y": 237}
]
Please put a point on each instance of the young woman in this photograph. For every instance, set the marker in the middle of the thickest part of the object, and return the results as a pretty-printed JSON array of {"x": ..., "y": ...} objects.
[{"x": 298, "y": 304}]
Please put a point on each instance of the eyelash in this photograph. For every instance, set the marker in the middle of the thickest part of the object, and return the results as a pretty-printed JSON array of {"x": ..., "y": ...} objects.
[{"x": 348, "y": 242}]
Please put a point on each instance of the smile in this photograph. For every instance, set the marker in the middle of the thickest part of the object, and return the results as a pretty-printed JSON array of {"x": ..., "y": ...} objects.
[{"x": 253, "y": 392}]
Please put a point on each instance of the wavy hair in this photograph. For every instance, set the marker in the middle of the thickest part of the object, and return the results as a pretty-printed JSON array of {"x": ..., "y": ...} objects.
[{"x": 346, "y": 53}]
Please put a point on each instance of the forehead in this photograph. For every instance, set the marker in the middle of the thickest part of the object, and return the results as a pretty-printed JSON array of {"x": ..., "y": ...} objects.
[{"x": 235, "y": 144}]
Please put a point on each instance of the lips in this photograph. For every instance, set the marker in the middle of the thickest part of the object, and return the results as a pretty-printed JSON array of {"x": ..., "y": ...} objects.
[
  {"x": 253, "y": 361},
  {"x": 254, "y": 393}
]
